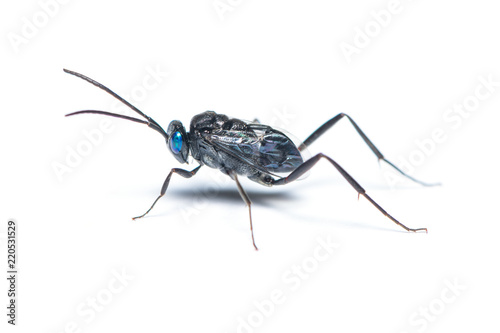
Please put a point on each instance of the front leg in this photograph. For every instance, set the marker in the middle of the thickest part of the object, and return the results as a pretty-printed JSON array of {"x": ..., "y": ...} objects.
[{"x": 182, "y": 172}]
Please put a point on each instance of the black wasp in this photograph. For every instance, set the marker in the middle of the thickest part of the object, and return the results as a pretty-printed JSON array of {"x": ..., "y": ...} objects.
[{"x": 236, "y": 147}]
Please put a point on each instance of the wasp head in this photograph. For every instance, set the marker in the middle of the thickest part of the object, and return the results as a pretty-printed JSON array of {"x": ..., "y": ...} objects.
[{"x": 178, "y": 141}]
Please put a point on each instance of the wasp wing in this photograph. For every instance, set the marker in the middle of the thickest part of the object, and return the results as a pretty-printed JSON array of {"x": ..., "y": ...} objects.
[{"x": 259, "y": 145}]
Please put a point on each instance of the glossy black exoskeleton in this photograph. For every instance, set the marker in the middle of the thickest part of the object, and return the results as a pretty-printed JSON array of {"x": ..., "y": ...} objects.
[
  {"x": 239, "y": 148},
  {"x": 249, "y": 149}
]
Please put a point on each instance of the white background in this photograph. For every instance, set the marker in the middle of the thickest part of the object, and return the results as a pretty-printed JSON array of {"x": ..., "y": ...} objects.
[{"x": 191, "y": 264}]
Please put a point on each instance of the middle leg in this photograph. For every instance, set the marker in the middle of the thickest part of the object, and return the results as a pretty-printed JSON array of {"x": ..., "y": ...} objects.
[{"x": 245, "y": 198}]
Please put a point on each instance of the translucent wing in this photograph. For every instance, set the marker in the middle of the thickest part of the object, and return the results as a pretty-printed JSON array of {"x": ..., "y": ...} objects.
[{"x": 259, "y": 145}]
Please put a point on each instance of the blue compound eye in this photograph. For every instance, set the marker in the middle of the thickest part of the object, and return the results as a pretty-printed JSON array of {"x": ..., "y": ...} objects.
[{"x": 176, "y": 142}]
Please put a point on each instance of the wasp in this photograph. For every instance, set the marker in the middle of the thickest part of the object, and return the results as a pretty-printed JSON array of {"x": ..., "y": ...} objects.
[{"x": 241, "y": 148}]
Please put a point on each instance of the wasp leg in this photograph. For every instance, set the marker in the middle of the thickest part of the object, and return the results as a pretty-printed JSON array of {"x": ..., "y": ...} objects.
[
  {"x": 307, "y": 165},
  {"x": 245, "y": 198},
  {"x": 326, "y": 126},
  {"x": 182, "y": 172}
]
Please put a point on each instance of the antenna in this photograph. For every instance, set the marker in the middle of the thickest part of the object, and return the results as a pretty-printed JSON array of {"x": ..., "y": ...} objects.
[{"x": 150, "y": 121}]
